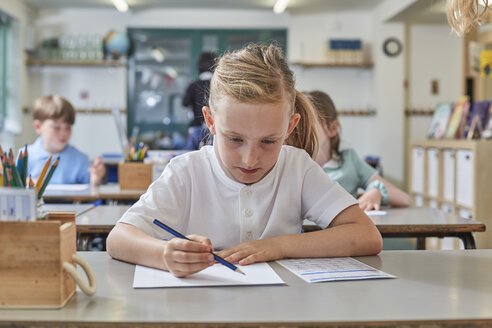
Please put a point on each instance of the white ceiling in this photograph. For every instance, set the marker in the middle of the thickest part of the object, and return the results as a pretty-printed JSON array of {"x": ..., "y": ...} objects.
[
  {"x": 420, "y": 11},
  {"x": 295, "y": 6}
]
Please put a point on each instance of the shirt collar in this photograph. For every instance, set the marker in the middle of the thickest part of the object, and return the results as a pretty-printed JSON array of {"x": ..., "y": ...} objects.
[
  {"x": 332, "y": 164},
  {"x": 39, "y": 149}
]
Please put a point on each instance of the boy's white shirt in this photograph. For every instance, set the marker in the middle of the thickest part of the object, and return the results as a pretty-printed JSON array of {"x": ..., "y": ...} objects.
[{"x": 195, "y": 196}]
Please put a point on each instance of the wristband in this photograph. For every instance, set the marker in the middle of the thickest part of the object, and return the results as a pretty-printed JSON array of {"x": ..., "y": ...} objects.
[{"x": 379, "y": 185}]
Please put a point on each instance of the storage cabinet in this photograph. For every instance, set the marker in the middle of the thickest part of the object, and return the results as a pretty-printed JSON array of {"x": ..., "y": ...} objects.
[{"x": 454, "y": 176}]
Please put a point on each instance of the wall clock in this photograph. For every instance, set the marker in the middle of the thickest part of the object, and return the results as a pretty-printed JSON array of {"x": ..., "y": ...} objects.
[{"x": 392, "y": 47}]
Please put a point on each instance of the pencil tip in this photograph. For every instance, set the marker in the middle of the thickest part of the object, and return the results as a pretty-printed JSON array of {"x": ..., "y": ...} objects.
[{"x": 239, "y": 271}]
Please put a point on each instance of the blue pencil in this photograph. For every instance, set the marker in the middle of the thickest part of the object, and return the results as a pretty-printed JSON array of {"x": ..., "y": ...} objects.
[{"x": 177, "y": 234}]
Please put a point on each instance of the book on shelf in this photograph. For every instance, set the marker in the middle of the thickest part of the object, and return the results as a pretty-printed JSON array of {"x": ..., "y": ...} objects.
[
  {"x": 487, "y": 131},
  {"x": 477, "y": 119},
  {"x": 475, "y": 131},
  {"x": 457, "y": 120},
  {"x": 440, "y": 120},
  {"x": 485, "y": 63}
]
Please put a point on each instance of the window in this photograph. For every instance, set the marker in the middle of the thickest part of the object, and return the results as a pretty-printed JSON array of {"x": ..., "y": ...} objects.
[
  {"x": 10, "y": 68},
  {"x": 162, "y": 64}
]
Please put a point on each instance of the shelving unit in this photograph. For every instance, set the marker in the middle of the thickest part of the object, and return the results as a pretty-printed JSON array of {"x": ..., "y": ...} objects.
[
  {"x": 96, "y": 63},
  {"x": 338, "y": 65},
  {"x": 454, "y": 176}
]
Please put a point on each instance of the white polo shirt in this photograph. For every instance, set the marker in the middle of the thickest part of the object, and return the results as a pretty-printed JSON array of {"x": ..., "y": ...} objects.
[{"x": 195, "y": 196}]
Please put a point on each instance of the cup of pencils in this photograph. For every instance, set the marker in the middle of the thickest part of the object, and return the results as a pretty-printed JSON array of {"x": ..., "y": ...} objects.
[
  {"x": 14, "y": 174},
  {"x": 136, "y": 152}
]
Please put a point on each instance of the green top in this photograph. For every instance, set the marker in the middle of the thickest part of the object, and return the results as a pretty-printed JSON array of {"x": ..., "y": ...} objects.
[{"x": 352, "y": 173}]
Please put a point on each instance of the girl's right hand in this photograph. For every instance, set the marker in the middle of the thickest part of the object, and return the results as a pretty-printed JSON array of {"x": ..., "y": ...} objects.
[{"x": 185, "y": 257}]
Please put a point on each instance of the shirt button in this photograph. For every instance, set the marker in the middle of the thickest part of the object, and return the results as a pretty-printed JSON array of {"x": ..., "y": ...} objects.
[
  {"x": 249, "y": 212},
  {"x": 249, "y": 235}
]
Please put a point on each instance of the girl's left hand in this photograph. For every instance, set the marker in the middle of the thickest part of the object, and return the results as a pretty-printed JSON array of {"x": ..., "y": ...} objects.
[
  {"x": 253, "y": 252},
  {"x": 370, "y": 200}
]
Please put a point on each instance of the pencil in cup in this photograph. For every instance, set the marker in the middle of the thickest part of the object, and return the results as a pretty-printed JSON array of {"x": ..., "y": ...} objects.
[
  {"x": 48, "y": 177},
  {"x": 39, "y": 183},
  {"x": 179, "y": 235}
]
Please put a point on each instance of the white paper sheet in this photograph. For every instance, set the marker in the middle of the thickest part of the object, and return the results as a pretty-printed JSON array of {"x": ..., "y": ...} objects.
[
  {"x": 216, "y": 275},
  {"x": 331, "y": 269},
  {"x": 376, "y": 213},
  {"x": 67, "y": 187}
]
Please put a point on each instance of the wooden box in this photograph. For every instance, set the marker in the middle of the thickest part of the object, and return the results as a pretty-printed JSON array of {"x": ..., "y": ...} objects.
[
  {"x": 134, "y": 176},
  {"x": 32, "y": 255}
]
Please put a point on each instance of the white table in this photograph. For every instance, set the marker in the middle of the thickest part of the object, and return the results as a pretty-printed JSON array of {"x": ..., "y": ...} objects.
[{"x": 433, "y": 289}]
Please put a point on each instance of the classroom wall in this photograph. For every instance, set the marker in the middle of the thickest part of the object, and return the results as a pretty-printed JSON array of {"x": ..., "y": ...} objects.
[
  {"x": 435, "y": 54},
  {"x": 307, "y": 35},
  {"x": 381, "y": 87},
  {"x": 106, "y": 87},
  {"x": 350, "y": 88}
]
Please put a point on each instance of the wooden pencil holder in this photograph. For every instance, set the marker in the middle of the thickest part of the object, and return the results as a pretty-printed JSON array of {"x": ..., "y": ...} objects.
[
  {"x": 37, "y": 263},
  {"x": 134, "y": 175}
]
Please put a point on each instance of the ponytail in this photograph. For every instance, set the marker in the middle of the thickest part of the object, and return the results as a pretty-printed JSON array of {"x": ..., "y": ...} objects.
[{"x": 304, "y": 135}]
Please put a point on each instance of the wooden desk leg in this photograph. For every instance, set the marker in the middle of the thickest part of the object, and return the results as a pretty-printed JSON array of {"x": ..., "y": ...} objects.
[
  {"x": 421, "y": 243},
  {"x": 468, "y": 240}
]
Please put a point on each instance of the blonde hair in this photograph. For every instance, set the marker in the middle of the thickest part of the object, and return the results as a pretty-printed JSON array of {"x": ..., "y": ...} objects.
[
  {"x": 327, "y": 113},
  {"x": 260, "y": 74},
  {"x": 53, "y": 107},
  {"x": 463, "y": 15}
]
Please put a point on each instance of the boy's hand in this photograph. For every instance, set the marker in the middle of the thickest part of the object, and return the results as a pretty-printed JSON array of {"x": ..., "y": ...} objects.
[
  {"x": 184, "y": 257},
  {"x": 97, "y": 170},
  {"x": 253, "y": 251},
  {"x": 370, "y": 200}
]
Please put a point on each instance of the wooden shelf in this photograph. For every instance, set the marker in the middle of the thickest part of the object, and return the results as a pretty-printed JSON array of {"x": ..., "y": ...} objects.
[
  {"x": 419, "y": 111},
  {"x": 27, "y": 110},
  {"x": 97, "y": 111},
  {"x": 449, "y": 166},
  {"x": 340, "y": 65},
  {"x": 356, "y": 112},
  {"x": 93, "y": 63}
]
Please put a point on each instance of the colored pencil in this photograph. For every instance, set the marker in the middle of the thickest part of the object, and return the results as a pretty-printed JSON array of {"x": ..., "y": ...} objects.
[
  {"x": 179, "y": 235},
  {"x": 11, "y": 155},
  {"x": 31, "y": 182},
  {"x": 20, "y": 159},
  {"x": 10, "y": 178},
  {"x": 15, "y": 173},
  {"x": 39, "y": 183},
  {"x": 4, "y": 170},
  {"x": 48, "y": 177},
  {"x": 24, "y": 165}
]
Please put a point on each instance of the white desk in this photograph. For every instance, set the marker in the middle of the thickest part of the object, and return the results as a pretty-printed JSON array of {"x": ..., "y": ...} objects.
[
  {"x": 420, "y": 223},
  {"x": 433, "y": 289},
  {"x": 108, "y": 192}
]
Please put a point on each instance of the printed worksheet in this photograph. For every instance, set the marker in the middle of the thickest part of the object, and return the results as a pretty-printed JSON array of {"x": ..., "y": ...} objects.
[{"x": 331, "y": 269}]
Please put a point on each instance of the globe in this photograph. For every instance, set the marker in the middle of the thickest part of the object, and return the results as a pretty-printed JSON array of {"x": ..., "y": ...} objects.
[{"x": 116, "y": 44}]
